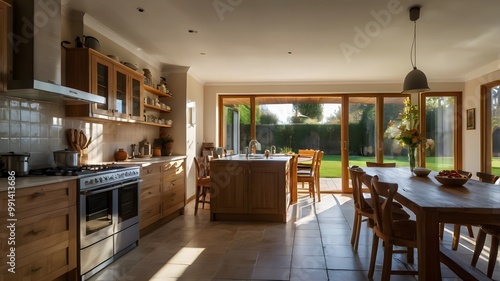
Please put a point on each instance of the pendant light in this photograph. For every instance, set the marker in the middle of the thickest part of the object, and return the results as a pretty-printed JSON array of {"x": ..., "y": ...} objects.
[{"x": 415, "y": 80}]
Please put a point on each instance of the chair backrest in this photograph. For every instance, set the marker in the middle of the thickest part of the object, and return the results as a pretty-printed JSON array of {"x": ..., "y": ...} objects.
[
  {"x": 375, "y": 164},
  {"x": 357, "y": 174},
  {"x": 293, "y": 169},
  {"x": 314, "y": 162},
  {"x": 202, "y": 168},
  {"x": 383, "y": 211},
  {"x": 465, "y": 173},
  {"x": 306, "y": 152},
  {"x": 485, "y": 177},
  {"x": 318, "y": 162}
]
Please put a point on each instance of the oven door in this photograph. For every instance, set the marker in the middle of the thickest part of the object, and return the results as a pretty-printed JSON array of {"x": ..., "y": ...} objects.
[
  {"x": 97, "y": 217},
  {"x": 128, "y": 205}
]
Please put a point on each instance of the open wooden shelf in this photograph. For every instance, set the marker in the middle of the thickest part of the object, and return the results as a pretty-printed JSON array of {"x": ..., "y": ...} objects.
[
  {"x": 157, "y": 125},
  {"x": 156, "y": 92},
  {"x": 156, "y": 108}
]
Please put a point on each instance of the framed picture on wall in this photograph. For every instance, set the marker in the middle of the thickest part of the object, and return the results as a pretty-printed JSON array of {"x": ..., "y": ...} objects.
[{"x": 471, "y": 119}]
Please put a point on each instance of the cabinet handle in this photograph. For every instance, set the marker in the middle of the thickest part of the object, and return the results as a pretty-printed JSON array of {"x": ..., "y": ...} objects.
[
  {"x": 35, "y": 232},
  {"x": 38, "y": 194},
  {"x": 150, "y": 211},
  {"x": 150, "y": 192},
  {"x": 33, "y": 269}
]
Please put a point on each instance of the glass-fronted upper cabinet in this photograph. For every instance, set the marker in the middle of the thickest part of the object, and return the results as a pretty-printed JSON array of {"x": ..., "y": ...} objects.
[
  {"x": 120, "y": 99},
  {"x": 91, "y": 71},
  {"x": 136, "y": 97},
  {"x": 101, "y": 84}
]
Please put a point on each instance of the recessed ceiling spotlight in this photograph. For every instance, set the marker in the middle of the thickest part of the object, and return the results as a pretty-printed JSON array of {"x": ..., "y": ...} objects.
[
  {"x": 203, "y": 54},
  {"x": 289, "y": 53},
  {"x": 193, "y": 31},
  {"x": 141, "y": 10}
]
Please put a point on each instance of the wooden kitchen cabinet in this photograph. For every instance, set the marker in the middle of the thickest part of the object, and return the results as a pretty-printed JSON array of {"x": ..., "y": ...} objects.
[
  {"x": 3, "y": 46},
  {"x": 150, "y": 195},
  {"x": 249, "y": 190},
  {"x": 91, "y": 71},
  {"x": 45, "y": 232},
  {"x": 163, "y": 194},
  {"x": 173, "y": 188}
]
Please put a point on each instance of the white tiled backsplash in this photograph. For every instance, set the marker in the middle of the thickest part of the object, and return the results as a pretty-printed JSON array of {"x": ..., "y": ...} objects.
[{"x": 38, "y": 127}]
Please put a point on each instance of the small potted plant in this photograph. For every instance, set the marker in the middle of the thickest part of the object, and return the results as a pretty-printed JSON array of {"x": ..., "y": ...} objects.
[{"x": 167, "y": 142}]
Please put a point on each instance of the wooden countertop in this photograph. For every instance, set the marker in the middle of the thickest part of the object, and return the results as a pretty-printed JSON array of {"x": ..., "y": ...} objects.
[
  {"x": 255, "y": 157},
  {"x": 30, "y": 181},
  {"x": 146, "y": 161}
]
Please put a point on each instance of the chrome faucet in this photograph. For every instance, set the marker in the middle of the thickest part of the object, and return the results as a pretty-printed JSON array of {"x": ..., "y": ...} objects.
[{"x": 253, "y": 145}]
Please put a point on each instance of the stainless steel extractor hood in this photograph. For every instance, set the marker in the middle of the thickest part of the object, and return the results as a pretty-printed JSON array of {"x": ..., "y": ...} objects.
[{"x": 35, "y": 54}]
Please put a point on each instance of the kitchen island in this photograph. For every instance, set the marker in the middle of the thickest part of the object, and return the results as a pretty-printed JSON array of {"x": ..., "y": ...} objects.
[{"x": 249, "y": 188}]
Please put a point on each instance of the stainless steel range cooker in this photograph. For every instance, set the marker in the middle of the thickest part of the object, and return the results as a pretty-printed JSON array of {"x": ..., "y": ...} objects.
[{"x": 109, "y": 216}]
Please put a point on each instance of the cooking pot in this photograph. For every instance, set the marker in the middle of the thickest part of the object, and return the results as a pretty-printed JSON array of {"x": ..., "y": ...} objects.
[
  {"x": 17, "y": 162},
  {"x": 66, "y": 158},
  {"x": 92, "y": 43}
]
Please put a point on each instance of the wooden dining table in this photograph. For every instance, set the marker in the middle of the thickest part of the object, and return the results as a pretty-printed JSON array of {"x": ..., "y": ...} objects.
[{"x": 432, "y": 203}]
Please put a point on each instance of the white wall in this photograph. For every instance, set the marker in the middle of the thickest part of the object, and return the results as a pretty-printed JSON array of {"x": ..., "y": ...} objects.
[
  {"x": 472, "y": 138},
  {"x": 194, "y": 132}
]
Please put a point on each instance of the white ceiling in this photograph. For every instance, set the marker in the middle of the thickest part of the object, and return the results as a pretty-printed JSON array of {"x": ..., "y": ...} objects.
[{"x": 249, "y": 40}]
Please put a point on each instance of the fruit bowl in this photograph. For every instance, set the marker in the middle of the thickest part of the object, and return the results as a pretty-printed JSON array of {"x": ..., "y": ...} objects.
[
  {"x": 452, "y": 181},
  {"x": 421, "y": 172}
]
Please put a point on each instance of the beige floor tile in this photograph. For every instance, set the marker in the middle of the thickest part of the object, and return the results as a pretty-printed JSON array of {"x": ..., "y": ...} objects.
[
  {"x": 274, "y": 261},
  {"x": 313, "y": 245}
]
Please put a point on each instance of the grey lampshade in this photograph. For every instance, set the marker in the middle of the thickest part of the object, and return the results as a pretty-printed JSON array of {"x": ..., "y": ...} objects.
[{"x": 415, "y": 82}]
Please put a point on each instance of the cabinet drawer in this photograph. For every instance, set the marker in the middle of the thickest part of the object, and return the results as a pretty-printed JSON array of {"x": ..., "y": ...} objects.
[
  {"x": 171, "y": 182},
  {"x": 150, "y": 214},
  {"x": 38, "y": 232},
  {"x": 150, "y": 189},
  {"x": 150, "y": 201},
  {"x": 151, "y": 172},
  {"x": 173, "y": 199},
  {"x": 48, "y": 265},
  {"x": 173, "y": 168},
  {"x": 35, "y": 200}
]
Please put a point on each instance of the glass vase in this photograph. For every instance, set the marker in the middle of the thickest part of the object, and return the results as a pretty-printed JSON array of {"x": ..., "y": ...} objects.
[{"x": 411, "y": 157}]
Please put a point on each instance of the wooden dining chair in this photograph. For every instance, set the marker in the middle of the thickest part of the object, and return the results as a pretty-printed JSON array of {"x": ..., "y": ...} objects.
[
  {"x": 487, "y": 229},
  {"x": 393, "y": 232},
  {"x": 494, "y": 231},
  {"x": 485, "y": 177},
  {"x": 306, "y": 152},
  {"x": 465, "y": 173},
  {"x": 309, "y": 176},
  {"x": 363, "y": 206},
  {"x": 457, "y": 227},
  {"x": 381, "y": 165},
  {"x": 203, "y": 181}
]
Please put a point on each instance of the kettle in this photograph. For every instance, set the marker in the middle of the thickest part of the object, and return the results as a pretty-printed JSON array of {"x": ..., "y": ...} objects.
[{"x": 91, "y": 42}]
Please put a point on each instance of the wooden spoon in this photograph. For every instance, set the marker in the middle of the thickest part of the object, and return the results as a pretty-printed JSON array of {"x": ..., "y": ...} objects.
[
  {"x": 70, "y": 138},
  {"x": 83, "y": 140},
  {"x": 88, "y": 142}
]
